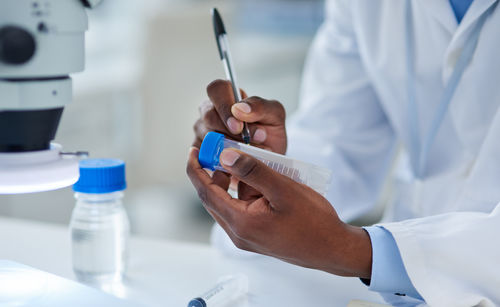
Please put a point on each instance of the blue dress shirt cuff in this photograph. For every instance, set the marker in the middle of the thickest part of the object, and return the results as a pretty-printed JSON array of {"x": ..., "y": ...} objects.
[{"x": 388, "y": 271}]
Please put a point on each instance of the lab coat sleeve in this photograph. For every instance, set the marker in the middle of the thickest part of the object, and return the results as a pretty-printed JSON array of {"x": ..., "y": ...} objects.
[
  {"x": 389, "y": 275},
  {"x": 452, "y": 259},
  {"x": 340, "y": 123}
]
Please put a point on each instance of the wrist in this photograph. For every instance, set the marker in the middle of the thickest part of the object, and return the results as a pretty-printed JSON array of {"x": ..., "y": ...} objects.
[{"x": 351, "y": 253}]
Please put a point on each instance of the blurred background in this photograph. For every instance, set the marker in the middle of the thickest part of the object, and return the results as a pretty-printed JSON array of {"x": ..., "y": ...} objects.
[{"x": 148, "y": 64}]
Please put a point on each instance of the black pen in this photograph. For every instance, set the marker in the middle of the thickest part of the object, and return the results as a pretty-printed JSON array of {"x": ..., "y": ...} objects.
[{"x": 225, "y": 56}]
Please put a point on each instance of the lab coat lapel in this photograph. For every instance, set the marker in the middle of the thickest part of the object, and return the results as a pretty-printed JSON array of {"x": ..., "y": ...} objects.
[
  {"x": 476, "y": 11},
  {"x": 442, "y": 12}
]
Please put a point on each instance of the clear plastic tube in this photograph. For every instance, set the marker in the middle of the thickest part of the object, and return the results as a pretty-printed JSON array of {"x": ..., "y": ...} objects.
[
  {"x": 316, "y": 177},
  {"x": 227, "y": 290}
]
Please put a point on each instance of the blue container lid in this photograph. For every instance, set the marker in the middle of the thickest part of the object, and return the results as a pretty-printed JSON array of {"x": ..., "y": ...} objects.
[
  {"x": 99, "y": 176},
  {"x": 210, "y": 150}
]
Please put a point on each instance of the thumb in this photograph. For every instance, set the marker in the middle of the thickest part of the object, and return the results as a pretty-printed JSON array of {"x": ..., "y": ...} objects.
[{"x": 273, "y": 185}]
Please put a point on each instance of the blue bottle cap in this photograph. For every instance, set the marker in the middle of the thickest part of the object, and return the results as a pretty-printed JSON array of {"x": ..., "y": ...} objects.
[
  {"x": 99, "y": 176},
  {"x": 210, "y": 150}
]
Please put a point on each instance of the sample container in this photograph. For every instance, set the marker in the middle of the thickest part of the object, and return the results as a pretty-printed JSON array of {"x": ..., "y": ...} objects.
[{"x": 318, "y": 178}]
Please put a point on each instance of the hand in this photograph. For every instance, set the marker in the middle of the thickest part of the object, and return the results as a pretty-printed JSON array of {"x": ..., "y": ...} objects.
[
  {"x": 265, "y": 118},
  {"x": 285, "y": 219}
]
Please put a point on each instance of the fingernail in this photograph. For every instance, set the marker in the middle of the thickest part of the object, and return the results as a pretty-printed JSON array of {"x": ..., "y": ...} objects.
[
  {"x": 243, "y": 107},
  {"x": 260, "y": 135},
  {"x": 229, "y": 157},
  {"x": 234, "y": 125}
]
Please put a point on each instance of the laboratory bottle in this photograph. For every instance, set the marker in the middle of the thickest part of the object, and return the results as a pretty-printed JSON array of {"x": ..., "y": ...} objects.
[
  {"x": 318, "y": 178},
  {"x": 99, "y": 224}
]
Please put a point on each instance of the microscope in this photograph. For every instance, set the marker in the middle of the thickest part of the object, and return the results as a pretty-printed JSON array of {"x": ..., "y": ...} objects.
[{"x": 41, "y": 44}]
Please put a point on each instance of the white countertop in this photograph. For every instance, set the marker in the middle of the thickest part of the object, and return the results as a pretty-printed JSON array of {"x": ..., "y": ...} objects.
[{"x": 167, "y": 273}]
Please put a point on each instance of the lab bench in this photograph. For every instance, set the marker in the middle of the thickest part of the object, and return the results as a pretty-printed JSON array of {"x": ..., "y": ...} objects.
[{"x": 170, "y": 273}]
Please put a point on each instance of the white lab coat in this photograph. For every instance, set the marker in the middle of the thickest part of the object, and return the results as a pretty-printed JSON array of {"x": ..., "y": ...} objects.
[{"x": 353, "y": 118}]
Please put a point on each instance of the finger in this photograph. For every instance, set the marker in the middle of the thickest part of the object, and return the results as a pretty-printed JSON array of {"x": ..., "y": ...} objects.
[
  {"x": 255, "y": 109},
  {"x": 243, "y": 94},
  {"x": 221, "y": 94},
  {"x": 212, "y": 195},
  {"x": 239, "y": 242},
  {"x": 205, "y": 106},
  {"x": 258, "y": 133},
  {"x": 221, "y": 179},
  {"x": 210, "y": 118},
  {"x": 196, "y": 143},
  {"x": 203, "y": 125},
  {"x": 210, "y": 121},
  {"x": 273, "y": 185},
  {"x": 247, "y": 193}
]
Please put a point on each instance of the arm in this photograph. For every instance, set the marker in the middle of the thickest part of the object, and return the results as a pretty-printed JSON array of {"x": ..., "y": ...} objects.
[
  {"x": 289, "y": 221},
  {"x": 452, "y": 258},
  {"x": 340, "y": 123}
]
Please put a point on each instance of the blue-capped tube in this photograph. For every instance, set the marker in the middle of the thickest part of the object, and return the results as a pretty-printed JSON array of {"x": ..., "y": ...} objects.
[{"x": 318, "y": 178}]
